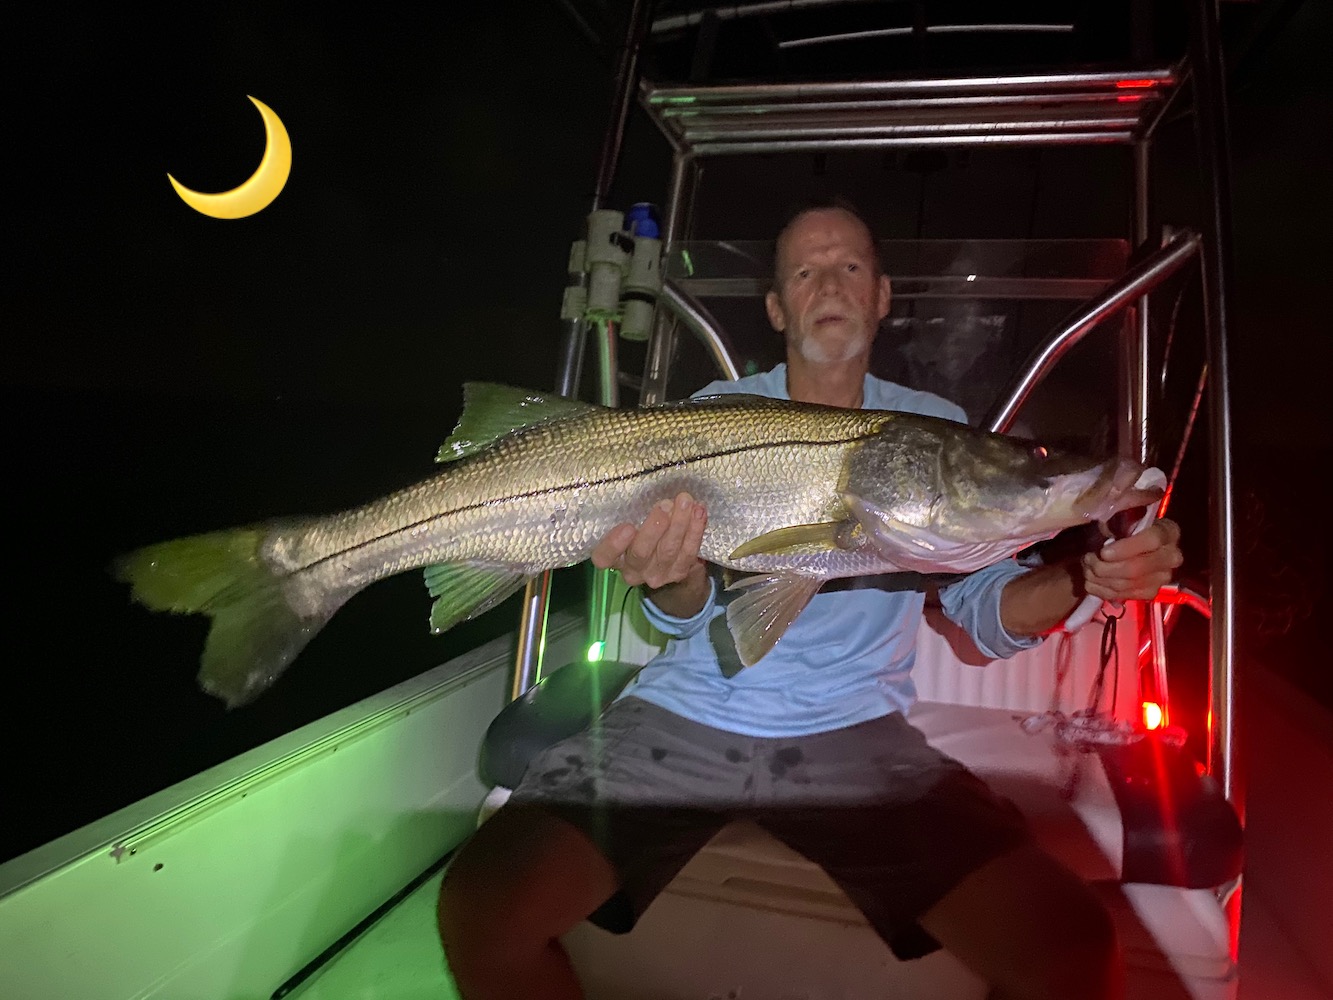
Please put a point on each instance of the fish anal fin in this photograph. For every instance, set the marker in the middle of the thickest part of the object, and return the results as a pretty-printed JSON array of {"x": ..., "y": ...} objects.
[
  {"x": 463, "y": 591},
  {"x": 824, "y": 536},
  {"x": 491, "y": 411},
  {"x": 765, "y": 610}
]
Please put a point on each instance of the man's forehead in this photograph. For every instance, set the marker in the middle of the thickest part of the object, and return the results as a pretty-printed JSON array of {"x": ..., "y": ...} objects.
[{"x": 820, "y": 228}]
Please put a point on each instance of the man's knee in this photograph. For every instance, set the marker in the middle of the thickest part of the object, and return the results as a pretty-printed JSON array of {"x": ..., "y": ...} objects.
[{"x": 522, "y": 880}]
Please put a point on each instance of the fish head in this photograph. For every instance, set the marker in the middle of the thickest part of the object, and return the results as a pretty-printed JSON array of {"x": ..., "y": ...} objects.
[
  {"x": 960, "y": 498},
  {"x": 1017, "y": 487}
]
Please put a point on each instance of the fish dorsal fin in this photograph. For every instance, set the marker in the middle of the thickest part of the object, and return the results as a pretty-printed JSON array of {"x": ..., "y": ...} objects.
[
  {"x": 825, "y": 536},
  {"x": 770, "y": 603},
  {"x": 491, "y": 411}
]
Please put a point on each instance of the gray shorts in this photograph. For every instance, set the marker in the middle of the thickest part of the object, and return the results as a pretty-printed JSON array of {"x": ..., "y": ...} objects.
[{"x": 893, "y": 821}]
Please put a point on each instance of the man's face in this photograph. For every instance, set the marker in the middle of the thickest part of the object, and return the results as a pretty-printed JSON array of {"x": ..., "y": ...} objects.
[{"x": 830, "y": 294}]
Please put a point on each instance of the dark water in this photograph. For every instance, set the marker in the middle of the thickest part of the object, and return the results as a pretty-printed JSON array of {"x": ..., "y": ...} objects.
[{"x": 101, "y": 702}]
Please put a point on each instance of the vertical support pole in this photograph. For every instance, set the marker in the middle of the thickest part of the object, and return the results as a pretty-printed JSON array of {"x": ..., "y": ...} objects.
[
  {"x": 601, "y": 585},
  {"x": 661, "y": 345},
  {"x": 531, "y": 635},
  {"x": 627, "y": 77},
  {"x": 1210, "y": 117},
  {"x": 1138, "y": 413},
  {"x": 1139, "y": 396}
]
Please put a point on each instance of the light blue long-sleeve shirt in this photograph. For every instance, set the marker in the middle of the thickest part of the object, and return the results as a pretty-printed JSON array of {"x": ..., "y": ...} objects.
[{"x": 847, "y": 658}]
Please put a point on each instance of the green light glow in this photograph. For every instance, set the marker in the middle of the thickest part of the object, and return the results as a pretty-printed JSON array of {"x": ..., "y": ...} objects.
[
  {"x": 689, "y": 263},
  {"x": 596, "y": 650}
]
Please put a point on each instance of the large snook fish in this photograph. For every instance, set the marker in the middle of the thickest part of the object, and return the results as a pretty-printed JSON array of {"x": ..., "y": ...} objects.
[{"x": 796, "y": 494}]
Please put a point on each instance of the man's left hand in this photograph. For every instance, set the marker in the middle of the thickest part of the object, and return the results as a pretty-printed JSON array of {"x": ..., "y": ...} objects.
[{"x": 1134, "y": 568}]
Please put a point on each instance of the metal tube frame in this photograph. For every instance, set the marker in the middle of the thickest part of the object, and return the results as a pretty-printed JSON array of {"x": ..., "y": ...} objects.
[
  {"x": 1211, "y": 131},
  {"x": 1118, "y": 137},
  {"x": 1127, "y": 289},
  {"x": 602, "y": 583},
  {"x": 697, "y": 320},
  {"x": 1138, "y": 417},
  {"x": 1139, "y": 400},
  {"x": 661, "y": 345},
  {"x": 957, "y": 102},
  {"x": 702, "y": 97}
]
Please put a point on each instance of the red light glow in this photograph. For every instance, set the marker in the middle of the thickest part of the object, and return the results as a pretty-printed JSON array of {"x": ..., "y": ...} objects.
[
  {"x": 1135, "y": 83},
  {"x": 1233, "y": 920},
  {"x": 1153, "y": 717}
]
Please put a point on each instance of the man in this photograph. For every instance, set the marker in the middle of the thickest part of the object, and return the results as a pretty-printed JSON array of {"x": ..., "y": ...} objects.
[{"x": 811, "y": 742}]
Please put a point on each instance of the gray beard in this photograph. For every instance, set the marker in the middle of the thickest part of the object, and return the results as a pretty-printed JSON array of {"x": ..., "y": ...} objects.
[{"x": 823, "y": 353}]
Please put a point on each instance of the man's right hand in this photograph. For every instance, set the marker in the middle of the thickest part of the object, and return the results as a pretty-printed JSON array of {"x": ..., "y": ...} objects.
[{"x": 662, "y": 554}]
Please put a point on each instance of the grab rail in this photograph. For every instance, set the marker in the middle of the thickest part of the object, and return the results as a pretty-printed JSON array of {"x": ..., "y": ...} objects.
[{"x": 1128, "y": 289}]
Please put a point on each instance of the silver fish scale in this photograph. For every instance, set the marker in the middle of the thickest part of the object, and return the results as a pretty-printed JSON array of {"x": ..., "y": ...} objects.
[{"x": 543, "y": 497}]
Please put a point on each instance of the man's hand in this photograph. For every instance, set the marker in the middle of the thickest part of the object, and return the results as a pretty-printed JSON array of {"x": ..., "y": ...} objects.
[
  {"x": 662, "y": 554},
  {"x": 1134, "y": 568}
]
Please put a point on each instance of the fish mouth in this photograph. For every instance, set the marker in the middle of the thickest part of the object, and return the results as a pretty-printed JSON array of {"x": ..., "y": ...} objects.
[{"x": 1123, "y": 496}]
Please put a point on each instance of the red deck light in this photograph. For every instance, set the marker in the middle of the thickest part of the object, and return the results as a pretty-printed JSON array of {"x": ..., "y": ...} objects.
[{"x": 1153, "y": 716}]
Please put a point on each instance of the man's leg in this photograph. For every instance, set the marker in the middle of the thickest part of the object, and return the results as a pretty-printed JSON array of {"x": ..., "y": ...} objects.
[
  {"x": 524, "y": 879},
  {"x": 1032, "y": 929},
  {"x": 923, "y": 844}
]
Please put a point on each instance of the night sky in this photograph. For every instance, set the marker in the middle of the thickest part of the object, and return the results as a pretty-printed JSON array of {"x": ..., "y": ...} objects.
[{"x": 167, "y": 373}]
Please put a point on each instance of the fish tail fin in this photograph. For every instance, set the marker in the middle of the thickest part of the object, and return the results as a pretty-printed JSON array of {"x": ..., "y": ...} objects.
[{"x": 255, "y": 632}]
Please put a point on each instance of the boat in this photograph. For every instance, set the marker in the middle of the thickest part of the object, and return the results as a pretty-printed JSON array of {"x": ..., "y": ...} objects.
[{"x": 263, "y": 878}]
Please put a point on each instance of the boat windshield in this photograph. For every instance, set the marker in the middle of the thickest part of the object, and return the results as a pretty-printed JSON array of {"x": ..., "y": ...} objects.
[{"x": 965, "y": 316}]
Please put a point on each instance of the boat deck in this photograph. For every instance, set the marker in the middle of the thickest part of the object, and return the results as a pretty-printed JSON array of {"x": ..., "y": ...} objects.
[{"x": 399, "y": 958}]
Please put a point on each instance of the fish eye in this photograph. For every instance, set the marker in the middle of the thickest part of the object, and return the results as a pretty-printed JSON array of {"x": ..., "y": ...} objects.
[{"x": 1039, "y": 452}]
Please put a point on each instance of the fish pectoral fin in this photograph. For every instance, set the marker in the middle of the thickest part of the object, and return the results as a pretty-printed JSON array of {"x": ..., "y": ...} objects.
[
  {"x": 491, "y": 411},
  {"x": 825, "y": 536},
  {"x": 463, "y": 591},
  {"x": 758, "y": 618}
]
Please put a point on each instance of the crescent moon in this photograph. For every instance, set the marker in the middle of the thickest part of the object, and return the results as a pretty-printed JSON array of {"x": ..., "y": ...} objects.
[{"x": 265, "y": 184}]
